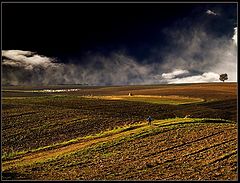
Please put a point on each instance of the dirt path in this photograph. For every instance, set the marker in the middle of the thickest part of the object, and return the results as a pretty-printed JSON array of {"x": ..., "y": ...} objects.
[
  {"x": 49, "y": 154},
  {"x": 42, "y": 156}
]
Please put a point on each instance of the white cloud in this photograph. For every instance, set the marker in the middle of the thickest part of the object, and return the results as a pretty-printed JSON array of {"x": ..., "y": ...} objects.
[
  {"x": 204, "y": 78},
  {"x": 176, "y": 72},
  {"x": 16, "y": 54},
  {"x": 210, "y": 12},
  {"x": 235, "y": 35},
  {"x": 26, "y": 59},
  {"x": 117, "y": 69}
]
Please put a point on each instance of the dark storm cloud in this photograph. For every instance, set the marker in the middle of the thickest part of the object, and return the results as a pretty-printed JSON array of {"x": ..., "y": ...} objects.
[
  {"x": 194, "y": 43},
  {"x": 196, "y": 47},
  {"x": 116, "y": 69},
  {"x": 67, "y": 30}
]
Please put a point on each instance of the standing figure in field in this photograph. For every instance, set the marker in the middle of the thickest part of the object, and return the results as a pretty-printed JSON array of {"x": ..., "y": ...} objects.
[{"x": 149, "y": 119}]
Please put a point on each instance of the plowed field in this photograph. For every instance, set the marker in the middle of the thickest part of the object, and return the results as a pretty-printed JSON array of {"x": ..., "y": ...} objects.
[{"x": 99, "y": 134}]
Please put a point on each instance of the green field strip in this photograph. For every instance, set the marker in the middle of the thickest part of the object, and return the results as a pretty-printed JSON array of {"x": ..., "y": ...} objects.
[
  {"x": 173, "y": 100},
  {"x": 118, "y": 134},
  {"x": 127, "y": 129},
  {"x": 15, "y": 155},
  {"x": 144, "y": 132}
]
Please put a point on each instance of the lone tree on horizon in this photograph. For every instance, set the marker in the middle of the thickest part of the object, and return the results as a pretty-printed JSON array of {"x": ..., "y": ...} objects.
[{"x": 223, "y": 77}]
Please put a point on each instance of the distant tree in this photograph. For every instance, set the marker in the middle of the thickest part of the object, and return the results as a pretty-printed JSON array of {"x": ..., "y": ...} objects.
[{"x": 223, "y": 77}]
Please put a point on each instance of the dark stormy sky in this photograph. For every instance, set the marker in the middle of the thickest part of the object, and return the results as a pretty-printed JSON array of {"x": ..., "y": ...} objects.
[{"x": 145, "y": 33}]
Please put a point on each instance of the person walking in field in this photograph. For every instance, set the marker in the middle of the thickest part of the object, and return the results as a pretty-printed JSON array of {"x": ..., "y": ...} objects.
[{"x": 149, "y": 119}]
